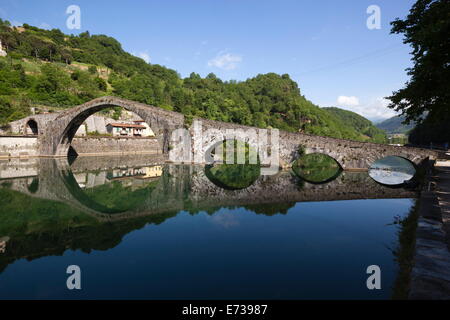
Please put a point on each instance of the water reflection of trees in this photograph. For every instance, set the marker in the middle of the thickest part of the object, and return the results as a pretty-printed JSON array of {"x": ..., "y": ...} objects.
[
  {"x": 40, "y": 227},
  {"x": 233, "y": 176},
  {"x": 118, "y": 193},
  {"x": 316, "y": 168},
  {"x": 271, "y": 208}
]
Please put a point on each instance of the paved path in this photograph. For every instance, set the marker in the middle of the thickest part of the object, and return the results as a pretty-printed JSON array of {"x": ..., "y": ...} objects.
[
  {"x": 430, "y": 276},
  {"x": 443, "y": 195}
]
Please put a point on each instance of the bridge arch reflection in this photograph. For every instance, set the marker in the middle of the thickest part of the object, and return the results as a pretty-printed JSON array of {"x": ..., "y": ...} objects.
[
  {"x": 393, "y": 170},
  {"x": 240, "y": 174},
  {"x": 33, "y": 186},
  {"x": 114, "y": 194},
  {"x": 317, "y": 168},
  {"x": 183, "y": 187}
]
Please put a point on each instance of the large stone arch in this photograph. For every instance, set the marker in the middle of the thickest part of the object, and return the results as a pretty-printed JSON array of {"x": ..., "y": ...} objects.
[{"x": 60, "y": 132}]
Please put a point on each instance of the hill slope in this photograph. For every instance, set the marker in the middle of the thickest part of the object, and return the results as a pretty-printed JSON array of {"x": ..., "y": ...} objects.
[
  {"x": 47, "y": 67},
  {"x": 362, "y": 126},
  {"x": 395, "y": 125}
]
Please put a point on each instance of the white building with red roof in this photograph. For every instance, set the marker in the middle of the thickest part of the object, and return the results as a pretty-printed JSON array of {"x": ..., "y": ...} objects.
[{"x": 139, "y": 128}]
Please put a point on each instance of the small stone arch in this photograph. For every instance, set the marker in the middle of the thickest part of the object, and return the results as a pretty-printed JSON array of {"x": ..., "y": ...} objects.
[
  {"x": 338, "y": 157},
  {"x": 211, "y": 148},
  {"x": 415, "y": 160},
  {"x": 31, "y": 127}
]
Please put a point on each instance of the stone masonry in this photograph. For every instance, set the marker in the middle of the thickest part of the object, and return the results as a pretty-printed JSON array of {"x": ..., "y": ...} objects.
[{"x": 56, "y": 132}]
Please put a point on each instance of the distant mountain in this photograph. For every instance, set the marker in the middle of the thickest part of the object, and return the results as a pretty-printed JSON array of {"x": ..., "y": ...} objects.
[
  {"x": 355, "y": 122},
  {"x": 395, "y": 125}
]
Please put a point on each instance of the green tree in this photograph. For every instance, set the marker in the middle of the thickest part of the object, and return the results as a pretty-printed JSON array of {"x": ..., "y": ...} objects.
[
  {"x": 426, "y": 29},
  {"x": 92, "y": 69},
  {"x": 102, "y": 86},
  {"x": 5, "y": 110}
]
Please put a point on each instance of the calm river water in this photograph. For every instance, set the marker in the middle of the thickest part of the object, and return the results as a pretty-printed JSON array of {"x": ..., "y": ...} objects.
[{"x": 141, "y": 229}]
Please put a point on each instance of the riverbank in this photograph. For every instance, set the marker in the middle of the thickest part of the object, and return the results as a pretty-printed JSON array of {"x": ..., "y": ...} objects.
[{"x": 430, "y": 275}]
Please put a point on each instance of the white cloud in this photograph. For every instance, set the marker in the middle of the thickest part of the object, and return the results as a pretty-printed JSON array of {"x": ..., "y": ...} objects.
[
  {"x": 375, "y": 110},
  {"x": 225, "y": 219},
  {"x": 347, "y": 101},
  {"x": 225, "y": 61},
  {"x": 143, "y": 55}
]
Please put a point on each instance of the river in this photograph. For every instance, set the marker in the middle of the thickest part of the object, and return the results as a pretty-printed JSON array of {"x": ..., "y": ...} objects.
[{"x": 142, "y": 229}]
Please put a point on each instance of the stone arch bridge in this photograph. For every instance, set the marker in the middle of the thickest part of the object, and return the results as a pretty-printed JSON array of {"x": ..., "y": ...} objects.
[{"x": 55, "y": 132}]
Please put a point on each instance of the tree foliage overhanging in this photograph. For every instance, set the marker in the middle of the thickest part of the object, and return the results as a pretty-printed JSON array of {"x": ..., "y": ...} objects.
[
  {"x": 47, "y": 67},
  {"x": 426, "y": 29}
]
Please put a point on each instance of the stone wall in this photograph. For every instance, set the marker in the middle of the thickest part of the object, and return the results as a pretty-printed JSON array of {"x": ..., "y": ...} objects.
[
  {"x": 115, "y": 145},
  {"x": 27, "y": 146},
  {"x": 11, "y": 146}
]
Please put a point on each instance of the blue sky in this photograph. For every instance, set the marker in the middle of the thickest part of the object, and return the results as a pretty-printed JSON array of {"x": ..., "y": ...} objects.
[{"x": 324, "y": 45}]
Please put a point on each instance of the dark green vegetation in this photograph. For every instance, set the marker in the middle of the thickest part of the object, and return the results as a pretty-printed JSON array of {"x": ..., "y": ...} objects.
[
  {"x": 117, "y": 197},
  {"x": 49, "y": 68},
  {"x": 316, "y": 168},
  {"x": 23, "y": 214},
  {"x": 404, "y": 253},
  {"x": 430, "y": 131},
  {"x": 395, "y": 125},
  {"x": 271, "y": 209},
  {"x": 426, "y": 97},
  {"x": 241, "y": 152},
  {"x": 39, "y": 228},
  {"x": 359, "y": 127},
  {"x": 233, "y": 176}
]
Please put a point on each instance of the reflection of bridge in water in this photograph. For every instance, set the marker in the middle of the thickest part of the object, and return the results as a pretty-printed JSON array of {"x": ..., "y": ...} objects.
[
  {"x": 94, "y": 226},
  {"x": 184, "y": 187}
]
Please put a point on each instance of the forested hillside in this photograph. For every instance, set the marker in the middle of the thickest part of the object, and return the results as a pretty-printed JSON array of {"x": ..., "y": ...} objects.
[
  {"x": 395, "y": 125},
  {"x": 362, "y": 126},
  {"x": 49, "y": 68}
]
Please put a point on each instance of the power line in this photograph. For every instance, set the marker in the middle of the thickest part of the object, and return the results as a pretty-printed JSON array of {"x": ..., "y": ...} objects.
[{"x": 377, "y": 53}]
